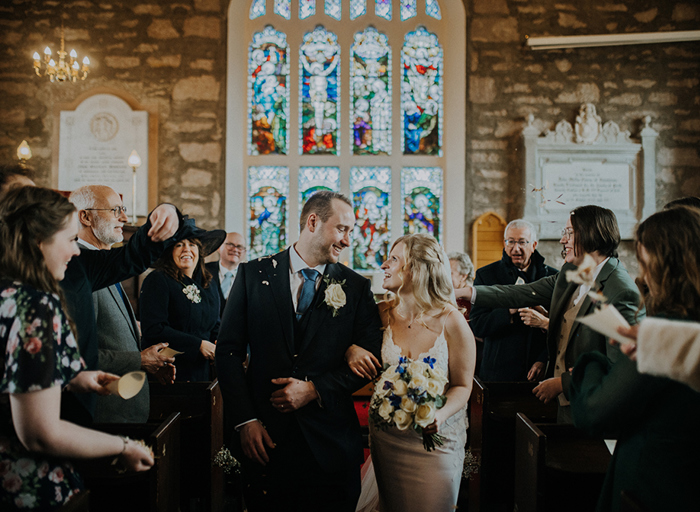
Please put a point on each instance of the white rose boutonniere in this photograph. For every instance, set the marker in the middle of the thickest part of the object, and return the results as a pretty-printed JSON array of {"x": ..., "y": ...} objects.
[
  {"x": 334, "y": 295},
  {"x": 192, "y": 293}
]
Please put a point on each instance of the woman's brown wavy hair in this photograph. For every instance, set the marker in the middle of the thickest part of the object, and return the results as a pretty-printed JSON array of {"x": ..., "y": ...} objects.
[
  {"x": 29, "y": 216},
  {"x": 671, "y": 239}
]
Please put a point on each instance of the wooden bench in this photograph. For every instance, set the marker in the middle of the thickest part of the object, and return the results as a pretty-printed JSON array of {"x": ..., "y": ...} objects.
[
  {"x": 202, "y": 435},
  {"x": 558, "y": 467},
  {"x": 156, "y": 490},
  {"x": 487, "y": 239},
  {"x": 492, "y": 410}
]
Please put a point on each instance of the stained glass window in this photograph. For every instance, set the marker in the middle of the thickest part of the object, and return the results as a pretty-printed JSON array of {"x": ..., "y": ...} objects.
[
  {"x": 257, "y": 9},
  {"x": 319, "y": 74},
  {"x": 370, "y": 94},
  {"x": 409, "y": 9},
  {"x": 371, "y": 198},
  {"x": 357, "y": 8},
  {"x": 268, "y": 191},
  {"x": 421, "y": 193},
  {"x": 333, "y": 8},
  {"x": 421, "y": 94},
  {"x": 283, "y": 8},
  {"x": 306, "y": 8},
  {"x": 268, "y": 93},
  {"x": 382, "y": 8},
  {"x": 433, "y": 9},
  {"x": 314, "y": 179}
]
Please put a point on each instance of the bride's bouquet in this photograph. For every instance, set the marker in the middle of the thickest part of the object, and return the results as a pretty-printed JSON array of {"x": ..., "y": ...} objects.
[{"x": 407, "y": 395}]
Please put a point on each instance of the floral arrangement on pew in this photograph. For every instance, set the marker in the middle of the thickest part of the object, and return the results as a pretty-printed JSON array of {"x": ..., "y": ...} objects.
[
  {"x": 407, "y": 395},
  {"x": 226, "y": 461}
]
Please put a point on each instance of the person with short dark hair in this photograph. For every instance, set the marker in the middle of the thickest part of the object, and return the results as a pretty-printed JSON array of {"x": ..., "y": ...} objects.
[
  {"x": 691, "y": 201},
  {"x": 14, "y": 175},
  {"x": 590, "y": 230},
  {"x": 298, "y": 311},
  {"x": 654, "y": 419}
]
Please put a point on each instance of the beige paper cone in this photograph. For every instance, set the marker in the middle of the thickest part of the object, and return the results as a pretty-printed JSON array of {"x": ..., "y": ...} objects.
[
  {"x": 169, "y": 352},
  {"x": 128, "y": 386}
]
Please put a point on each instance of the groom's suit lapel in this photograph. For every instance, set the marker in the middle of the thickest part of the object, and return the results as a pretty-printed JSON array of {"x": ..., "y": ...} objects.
[
  {"x": 318, "y": 311},
  {"x": 279, "y": 284}
]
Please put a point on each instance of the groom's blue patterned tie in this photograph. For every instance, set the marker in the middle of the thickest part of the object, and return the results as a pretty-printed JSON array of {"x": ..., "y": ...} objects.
[{"x": 308, "y": 289}]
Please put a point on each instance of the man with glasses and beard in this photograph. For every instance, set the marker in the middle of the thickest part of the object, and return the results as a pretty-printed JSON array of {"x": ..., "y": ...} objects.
[{"x": 102, "y": 217}]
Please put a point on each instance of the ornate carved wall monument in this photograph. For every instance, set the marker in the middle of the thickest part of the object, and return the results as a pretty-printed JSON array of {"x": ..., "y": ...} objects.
[{"x": 589, "y": 163}]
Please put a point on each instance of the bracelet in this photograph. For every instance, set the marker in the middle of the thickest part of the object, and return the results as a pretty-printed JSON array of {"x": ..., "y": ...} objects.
[{"x": 124, "y": 440}]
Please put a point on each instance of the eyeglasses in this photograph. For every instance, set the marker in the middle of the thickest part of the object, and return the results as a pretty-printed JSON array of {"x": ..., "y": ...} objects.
[
  {"x": 513, "y": 243},
  {"x": 117, "y": 210},
  {"x": 567, "y": 233},
  {"x": 234, "y": 246}
]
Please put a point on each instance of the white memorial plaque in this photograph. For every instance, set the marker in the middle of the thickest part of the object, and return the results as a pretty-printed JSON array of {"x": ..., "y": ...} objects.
[
  {"x": 95, "y": 142},
  {"x": 591, "y": 163},
  {"x": 580, "y": 183}
]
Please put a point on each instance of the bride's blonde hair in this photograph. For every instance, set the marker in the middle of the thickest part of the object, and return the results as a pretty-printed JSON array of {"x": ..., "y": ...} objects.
[{"x": 427, "y": 264}]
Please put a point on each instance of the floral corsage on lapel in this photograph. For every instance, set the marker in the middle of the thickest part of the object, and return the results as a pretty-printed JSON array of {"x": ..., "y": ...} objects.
[
  {"x": 334, "y": 294},
  {"x": 585, "y": 275},
  {"x": 192, "y": 293}
]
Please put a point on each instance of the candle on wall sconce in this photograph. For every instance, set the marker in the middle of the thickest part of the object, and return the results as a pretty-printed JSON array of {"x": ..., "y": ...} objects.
[
  {"x": 134, "y": 162},
  {"x": 24, "y": 153}
]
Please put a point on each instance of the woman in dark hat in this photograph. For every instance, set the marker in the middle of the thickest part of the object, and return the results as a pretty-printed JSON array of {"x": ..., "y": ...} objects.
[{"x": 180, "y": 303}]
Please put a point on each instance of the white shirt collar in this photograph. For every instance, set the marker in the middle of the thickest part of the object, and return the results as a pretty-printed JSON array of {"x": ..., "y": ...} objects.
[
  {"x": 87, "y": 245},
  {"x": 297, "y": 263},
  {"x": 223, "y": 271}
]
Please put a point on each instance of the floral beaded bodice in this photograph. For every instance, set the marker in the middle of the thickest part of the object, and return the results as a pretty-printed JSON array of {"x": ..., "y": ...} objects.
[{"x": 391, "y": 352}]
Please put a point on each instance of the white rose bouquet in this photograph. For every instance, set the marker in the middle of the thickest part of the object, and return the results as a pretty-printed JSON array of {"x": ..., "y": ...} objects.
[{"x": 407, "y": 395}]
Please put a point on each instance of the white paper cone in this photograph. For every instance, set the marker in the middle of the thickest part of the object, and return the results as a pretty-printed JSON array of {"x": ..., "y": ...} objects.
[{"x": 606, "y": 321}]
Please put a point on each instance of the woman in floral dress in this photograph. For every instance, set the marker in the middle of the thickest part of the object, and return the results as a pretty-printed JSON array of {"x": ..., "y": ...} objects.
[
  {"x": 180, "y": 304},
  {"x": 38, "y": 233}
]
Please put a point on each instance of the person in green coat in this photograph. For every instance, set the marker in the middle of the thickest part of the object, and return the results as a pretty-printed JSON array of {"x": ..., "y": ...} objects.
[
  {"x": 590, "y": 230},
  {"x": 656, "y": 420}
]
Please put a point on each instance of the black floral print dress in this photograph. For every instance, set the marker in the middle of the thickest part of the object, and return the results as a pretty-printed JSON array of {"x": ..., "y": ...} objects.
[{"x": 38, "y": 352}]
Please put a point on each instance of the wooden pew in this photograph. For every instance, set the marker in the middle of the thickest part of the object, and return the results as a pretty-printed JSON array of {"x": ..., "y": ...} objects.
[
  {"x": 202, "y": 434},
  {"x": 492, "y": 410},
  {"x": 558, "y": 467},
  {"x": 156, "y": 490}
]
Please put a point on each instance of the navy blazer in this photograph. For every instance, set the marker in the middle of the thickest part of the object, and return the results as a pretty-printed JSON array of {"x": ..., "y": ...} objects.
[
  {"x": 260, "y": 314},
  {"x": 168, "y": 316}
]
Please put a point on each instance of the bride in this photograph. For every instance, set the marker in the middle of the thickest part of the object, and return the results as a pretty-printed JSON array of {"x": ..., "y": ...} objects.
[{"x": 421, "y": 320}]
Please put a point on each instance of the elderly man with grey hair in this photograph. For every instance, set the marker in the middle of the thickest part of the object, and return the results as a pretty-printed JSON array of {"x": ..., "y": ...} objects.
[
  {"x": 102, "y": 217},
  {"x": 515, "y": 340}
]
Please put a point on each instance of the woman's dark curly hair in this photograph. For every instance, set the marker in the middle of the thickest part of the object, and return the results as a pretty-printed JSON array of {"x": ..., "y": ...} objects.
[{"x": 166, "y": 264}]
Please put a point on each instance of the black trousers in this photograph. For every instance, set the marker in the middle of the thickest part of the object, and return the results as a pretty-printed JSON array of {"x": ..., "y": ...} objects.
[{"x": 293, "y": 481}]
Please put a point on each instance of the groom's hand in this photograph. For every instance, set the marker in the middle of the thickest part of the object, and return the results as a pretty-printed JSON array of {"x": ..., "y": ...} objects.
[
  {"x": 254, "y": 438},
  {"x": 294, "y": 395}
]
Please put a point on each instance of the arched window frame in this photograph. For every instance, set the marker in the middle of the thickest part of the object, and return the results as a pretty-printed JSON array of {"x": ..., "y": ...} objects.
[{"x": 451, "y": 32}]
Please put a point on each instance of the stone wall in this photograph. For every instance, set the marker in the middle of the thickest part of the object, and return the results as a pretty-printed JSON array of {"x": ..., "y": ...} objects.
[
  {"x": 507, "y": 82},
  {"x": 172, "y": 55},
  {"x": 169, "y": 55}
]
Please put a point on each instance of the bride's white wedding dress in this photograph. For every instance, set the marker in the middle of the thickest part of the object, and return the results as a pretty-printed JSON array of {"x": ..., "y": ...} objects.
[{"x": 409, "y": 478}]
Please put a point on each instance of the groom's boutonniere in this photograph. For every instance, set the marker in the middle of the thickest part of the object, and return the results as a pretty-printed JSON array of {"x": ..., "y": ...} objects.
[{"x": 334, "y": 294}]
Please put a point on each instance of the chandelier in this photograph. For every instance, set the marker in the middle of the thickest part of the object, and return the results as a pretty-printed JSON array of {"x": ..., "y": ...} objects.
[{"x": 64, "y": 71}]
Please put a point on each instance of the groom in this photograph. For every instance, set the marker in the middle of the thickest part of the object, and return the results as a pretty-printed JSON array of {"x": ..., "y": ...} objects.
[{"x": 297, "y": 312}]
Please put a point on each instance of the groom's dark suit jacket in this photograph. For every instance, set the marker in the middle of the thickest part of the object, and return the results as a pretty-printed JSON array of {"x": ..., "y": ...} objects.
[{"x": 260, "y": 313}]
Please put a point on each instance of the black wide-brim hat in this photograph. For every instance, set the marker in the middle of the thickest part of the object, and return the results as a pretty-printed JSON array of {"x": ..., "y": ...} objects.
[{"x": 210, "y": 240}]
